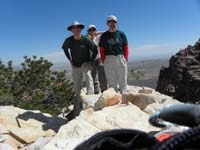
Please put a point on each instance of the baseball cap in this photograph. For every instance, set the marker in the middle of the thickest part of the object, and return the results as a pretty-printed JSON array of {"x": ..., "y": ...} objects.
[
  {"x": 112, "y": 18},
  {"x": 91, "y": 26}
]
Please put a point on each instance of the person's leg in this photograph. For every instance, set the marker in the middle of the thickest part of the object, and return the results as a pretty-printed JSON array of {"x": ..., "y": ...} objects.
[
  {"x": 77, "y": 76},
  {"x": 95, "y": 79},
  {"x": 77, "y": 79},
  {"x": 77, "y": 105},
  {"x": 111, "y": 71},
  {"x": 86, "y": 68},
  {"x": 122, "y": 74},
  {"x": 102, "y": 78}
]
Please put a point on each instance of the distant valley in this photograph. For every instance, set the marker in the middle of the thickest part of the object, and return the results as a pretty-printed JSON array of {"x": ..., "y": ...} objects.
[{"x": 150, "y": 68}]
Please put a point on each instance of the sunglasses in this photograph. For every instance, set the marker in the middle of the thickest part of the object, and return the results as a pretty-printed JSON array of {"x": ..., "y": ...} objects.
[{"x": 92, "y": 29}]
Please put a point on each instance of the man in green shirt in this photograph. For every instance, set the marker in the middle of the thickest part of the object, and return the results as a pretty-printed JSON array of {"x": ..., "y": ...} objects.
[{"x": 82, "y": 53}]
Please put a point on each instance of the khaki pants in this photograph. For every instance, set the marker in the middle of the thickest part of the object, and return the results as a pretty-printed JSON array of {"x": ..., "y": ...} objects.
[
  {"x": 78, "y": 73},
  {"x": 116, "y": 72}
]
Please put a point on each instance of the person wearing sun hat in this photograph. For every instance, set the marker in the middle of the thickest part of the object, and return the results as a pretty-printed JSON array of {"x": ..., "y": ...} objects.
[
  {"x": 114, "y": 54},
  {"x": 80, "y": 58},
  {"x": 100, "y": 83},
  {"x": 74, "y": 24}
]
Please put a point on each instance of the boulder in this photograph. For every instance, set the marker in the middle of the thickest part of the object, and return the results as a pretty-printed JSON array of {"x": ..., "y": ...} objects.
[
  {"x": 21, "y": 127},
  {"x": 139, "y": 96},
  {"x": 90, "y": 122},
  {"x": 89, "y": 100},
  {"x": 107, "y": 98},
  {"x": 5, "y": 147},
  {"x": 145, "y": 91},
  {"x": 143, "y": 97},
  {"x": 143, "y": 102},
  {"x": 38, "y": 144},
  {"x": 154, "y": 107}
]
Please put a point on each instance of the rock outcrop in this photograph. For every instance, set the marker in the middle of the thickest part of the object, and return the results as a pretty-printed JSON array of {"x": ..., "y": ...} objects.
[
  {"x": 141, "y": 104},
  {"x": 20, "y": 127},
  {"x": 32, "y": 130},
  {"x": 182, "y": 78}
]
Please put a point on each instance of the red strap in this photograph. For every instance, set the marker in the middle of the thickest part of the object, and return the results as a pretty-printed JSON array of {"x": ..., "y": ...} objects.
[
  {"x": 126, "y": 52},
  {"x": 102, "y": 53},
  {"x": 164, "y": 136}
]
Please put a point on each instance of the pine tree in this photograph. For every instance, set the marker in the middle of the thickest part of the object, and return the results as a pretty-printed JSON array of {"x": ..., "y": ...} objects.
[{"x": 35, "y": 86}]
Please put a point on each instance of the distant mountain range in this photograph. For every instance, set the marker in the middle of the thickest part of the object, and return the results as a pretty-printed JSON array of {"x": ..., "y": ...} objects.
[{"x": 150, "y": 68}]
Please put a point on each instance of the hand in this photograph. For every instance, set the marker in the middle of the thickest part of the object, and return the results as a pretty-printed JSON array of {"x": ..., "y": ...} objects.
[
  {"x": 96, "y": 62},
  {"x": 87, "y": 65},
  {"x": 92, "y": 63},
  {"x": 102, "y": 61},
  {"x": 71, "y": 62}
]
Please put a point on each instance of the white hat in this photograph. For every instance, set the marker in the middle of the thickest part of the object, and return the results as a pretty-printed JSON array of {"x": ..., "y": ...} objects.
[
  {"x": 112, "y": 17},
  {"x": 75, "y": 23},
  {"x": 91, "y": 26}
]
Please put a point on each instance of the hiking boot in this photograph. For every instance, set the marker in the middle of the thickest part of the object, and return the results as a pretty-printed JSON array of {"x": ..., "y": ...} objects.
[{"x": 70, "y": 115}]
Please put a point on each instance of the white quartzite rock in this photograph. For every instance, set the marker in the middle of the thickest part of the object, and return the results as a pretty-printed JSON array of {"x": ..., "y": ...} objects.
[
  {"x": 90, "y": 122},
  {"x": 23, "y": 127}
]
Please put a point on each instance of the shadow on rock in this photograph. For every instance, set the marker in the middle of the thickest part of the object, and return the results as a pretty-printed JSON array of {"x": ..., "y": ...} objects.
[{"x": 50, "y": 122}]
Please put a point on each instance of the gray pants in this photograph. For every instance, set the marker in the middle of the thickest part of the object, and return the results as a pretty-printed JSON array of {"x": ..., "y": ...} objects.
[
  {"x": 101, "y": 79},
  {"x": 116, "y": 72},
  {"x": 77, "y": 74}
]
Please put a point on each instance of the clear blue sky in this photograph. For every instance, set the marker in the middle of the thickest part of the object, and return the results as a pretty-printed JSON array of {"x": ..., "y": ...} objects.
[{"x": 154, "y": 27}]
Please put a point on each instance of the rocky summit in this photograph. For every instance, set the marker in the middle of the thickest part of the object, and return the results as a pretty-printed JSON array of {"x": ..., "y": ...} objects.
[
  {"x": 33, "y": 130},
  {"x": 182, "y": 78}
]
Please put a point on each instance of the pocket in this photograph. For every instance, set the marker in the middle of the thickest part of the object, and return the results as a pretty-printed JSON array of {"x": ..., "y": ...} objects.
[{"x": 122, "y": 60}]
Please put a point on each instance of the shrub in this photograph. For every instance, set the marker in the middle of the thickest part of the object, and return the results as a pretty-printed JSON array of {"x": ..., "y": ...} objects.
[{"x": 35, "y": 86}]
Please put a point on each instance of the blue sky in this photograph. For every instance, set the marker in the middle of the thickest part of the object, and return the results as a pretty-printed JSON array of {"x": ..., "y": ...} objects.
[{"x": 155, "y": 28}]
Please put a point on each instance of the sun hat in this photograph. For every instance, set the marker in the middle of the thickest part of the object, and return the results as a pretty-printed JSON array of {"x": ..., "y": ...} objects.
[
  {"x": 75, "y": 23},
  {"x": 111, "y": 18},
  {"x": 91, "y": 26}
]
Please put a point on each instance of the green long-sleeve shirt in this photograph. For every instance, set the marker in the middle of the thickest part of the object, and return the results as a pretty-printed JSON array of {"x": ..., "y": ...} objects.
[{"x": 81, "y": 51}]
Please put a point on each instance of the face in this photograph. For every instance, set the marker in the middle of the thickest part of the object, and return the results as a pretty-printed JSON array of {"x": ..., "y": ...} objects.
[
  {"x": 112, "y": 25},
  {"x": 76, "y": 30},
  {"x": 92, "y": 31}
]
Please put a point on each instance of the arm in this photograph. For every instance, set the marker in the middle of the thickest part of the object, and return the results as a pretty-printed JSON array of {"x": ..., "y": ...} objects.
[
  {"x": 126, "y": 52},
  {"x": 102, "y": 47},
  {"x": 125, "y": 46},
  {"x": 102, "y": 53},
  {"x": 65, "y": 47},
  {"x": 99, "y": 32},
  {"x": 67, "y": 54},
  {"x": 93, "y": 48},
  {"x": 94, "y": 52}
]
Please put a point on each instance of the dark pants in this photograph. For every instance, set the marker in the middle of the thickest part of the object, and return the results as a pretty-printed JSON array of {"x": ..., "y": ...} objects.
[
  {"x": 77, "y": 108},
  {"x": 77, "y": 105},
  {"x": 101, "y": 79}
]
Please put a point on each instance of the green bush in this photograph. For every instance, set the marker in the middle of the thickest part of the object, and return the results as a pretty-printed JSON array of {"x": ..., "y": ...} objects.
[{"x": 35, "y": 86}]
